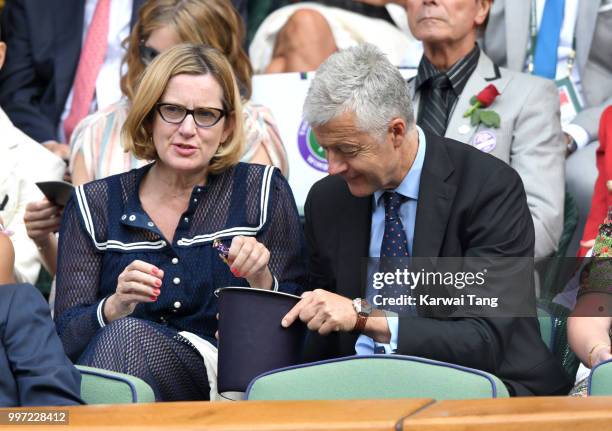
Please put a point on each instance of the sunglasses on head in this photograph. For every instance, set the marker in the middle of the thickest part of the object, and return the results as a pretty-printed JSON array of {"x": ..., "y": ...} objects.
[{"x": 147, "y": 54}]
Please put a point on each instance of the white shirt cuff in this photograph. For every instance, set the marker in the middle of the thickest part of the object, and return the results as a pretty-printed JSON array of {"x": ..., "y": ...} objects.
[
  {"x": 99, "y": 314},
  {"x": 275, "y": 285},
  {"x": 578, "y": 134}
]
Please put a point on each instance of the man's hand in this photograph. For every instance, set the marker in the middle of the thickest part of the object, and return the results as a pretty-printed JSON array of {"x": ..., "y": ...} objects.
[
  {"x": 42, "y": 219},
  {"x": 324, "y": 312},
  {"x": 60, "y": 150}
]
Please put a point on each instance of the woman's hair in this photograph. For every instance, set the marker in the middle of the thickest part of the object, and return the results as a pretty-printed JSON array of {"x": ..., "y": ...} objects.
[
  {"x": 213, "y": 23},
  {"x": 191, "y": 60}
]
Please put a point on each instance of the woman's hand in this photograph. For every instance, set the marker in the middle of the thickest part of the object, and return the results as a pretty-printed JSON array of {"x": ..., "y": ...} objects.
[
  {"x": 249, "y": 258},
  {"x": 41, "y": 220},
  {"x": 139, "y": 282},
  {"x": 3, "y": 228}
]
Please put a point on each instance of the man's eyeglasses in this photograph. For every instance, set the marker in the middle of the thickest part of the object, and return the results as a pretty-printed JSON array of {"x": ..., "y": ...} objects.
[
  {"x": 203, "y": 117},
  {"x": 147, "y": 54}
]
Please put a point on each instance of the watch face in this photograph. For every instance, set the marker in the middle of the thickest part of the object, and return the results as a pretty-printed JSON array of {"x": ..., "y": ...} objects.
[{"x": 366, "y": 307}]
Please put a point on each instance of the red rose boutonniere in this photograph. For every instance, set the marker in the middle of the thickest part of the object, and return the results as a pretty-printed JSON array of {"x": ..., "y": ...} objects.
[{"x": 483, "y": 100}]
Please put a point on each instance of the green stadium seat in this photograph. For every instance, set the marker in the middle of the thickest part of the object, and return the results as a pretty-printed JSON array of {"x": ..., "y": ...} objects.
[
  {"x": 108, "y": 387},
  {"x": 375, "y": 377},
  {"x": 600, "y": 380}
]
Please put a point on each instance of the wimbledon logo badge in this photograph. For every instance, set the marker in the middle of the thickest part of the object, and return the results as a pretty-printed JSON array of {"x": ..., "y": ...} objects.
[{"x": 310, "y": 149}]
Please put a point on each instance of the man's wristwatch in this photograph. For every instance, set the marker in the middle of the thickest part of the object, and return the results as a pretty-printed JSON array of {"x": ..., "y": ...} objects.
[{"x": 363, "y": 310}]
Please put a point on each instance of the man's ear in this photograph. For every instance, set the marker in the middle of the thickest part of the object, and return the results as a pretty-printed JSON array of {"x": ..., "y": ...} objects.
[
  {"x": 484, "y": 6},
  {"x": 2, "y": 53},
  {"x": 397, "y": 129}
]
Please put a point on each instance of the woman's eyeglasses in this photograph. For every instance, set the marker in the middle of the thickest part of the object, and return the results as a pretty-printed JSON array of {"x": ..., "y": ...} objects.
[
  {"x": 203, "y": 117},
  {"x": 147, "y": 54}
]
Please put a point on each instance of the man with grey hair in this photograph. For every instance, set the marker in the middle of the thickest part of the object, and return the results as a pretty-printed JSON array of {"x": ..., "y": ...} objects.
[{"x": 441, "y": 198}]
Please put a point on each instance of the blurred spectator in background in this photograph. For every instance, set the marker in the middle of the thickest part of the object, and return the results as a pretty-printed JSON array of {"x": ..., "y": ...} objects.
[
  {"x": 63, "y": 62},
  {"x": 589, "y": 327},
  {"x": 517, "y": 116},
  {"x": 299, "y": 37},
  {"x": 22, "y": 163},
  {"x": 602, "y": 193},
  {"x": 567, "y": 41}
]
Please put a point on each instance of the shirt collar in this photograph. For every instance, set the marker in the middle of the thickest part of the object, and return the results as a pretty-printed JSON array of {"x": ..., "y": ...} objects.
[
  {"x": 458, "y": 74},
  {"x": 134, "y": 214},
  {"x": 409, "y": 187}
]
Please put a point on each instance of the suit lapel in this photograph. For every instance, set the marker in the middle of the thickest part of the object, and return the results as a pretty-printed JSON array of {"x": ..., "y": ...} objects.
[
  {"x": 435, "y": 200},
  {"x": 585, "y": 29},
  {"x": 69, "y": 30},
  {"x": 460, "y": 128},
  {"x": 517, "y": 32},
  {"x": 353, "y": 246},
  {"x": 415, "y": 96}
]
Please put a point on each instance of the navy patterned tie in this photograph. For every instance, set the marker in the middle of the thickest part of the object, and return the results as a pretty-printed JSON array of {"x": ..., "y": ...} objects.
[
  {"x": 394, "y": 243},
  {"x": 394, "y": 249}
]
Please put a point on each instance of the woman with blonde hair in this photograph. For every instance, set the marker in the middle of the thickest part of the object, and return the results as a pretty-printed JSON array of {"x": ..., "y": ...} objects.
[
  {"x": 97, "y": 146},
  {"x": 136, "y": 259}
]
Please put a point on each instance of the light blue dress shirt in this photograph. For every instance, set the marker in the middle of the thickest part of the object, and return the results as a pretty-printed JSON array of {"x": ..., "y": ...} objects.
[{"x": 409, "y": 187}]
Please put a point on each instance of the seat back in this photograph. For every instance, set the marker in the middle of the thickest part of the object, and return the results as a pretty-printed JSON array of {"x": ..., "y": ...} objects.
[
  {"x": 554, "y": 274},
  {"x": 108, "y": 387},
  {"x": 546, "y": 322},
  {"x": 553, "y": 329},
  {"x": 375, "y": 377},
  {"x": 600, "y": 380}
]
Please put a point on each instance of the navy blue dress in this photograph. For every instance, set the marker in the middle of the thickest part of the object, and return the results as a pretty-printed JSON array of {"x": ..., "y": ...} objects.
[{"x": 104, "y": 228}]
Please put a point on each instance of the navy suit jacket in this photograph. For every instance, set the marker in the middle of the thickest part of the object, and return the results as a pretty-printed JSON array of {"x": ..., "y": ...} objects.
[
  {"x": 470, "y": 204},
  {"x": 34, "y": 370},
  {"x": 43, "y": 45}
]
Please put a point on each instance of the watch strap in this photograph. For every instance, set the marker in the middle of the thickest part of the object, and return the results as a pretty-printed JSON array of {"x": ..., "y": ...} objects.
[
  {"x": 363, "y": 309},
  {"x": 362, "y": 318}
]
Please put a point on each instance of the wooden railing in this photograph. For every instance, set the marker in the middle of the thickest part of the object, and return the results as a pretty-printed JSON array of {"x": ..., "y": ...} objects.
[{"x": 515, "y": 414}]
